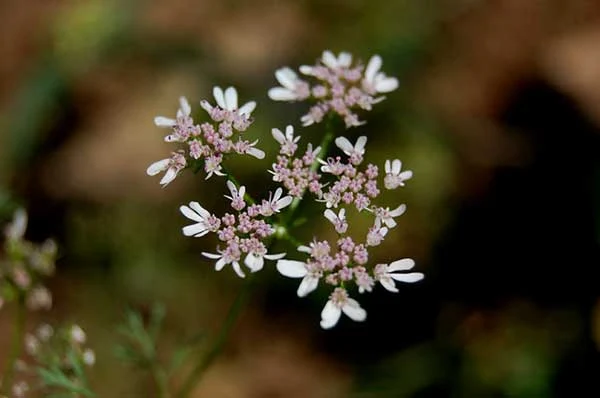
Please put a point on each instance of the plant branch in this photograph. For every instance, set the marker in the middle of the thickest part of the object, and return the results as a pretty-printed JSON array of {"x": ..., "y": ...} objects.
[{"x": 16, "y": 344}]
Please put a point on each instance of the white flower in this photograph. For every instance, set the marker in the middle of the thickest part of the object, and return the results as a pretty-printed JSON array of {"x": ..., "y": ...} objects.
[
  {"x": 275, "y": 203},
  {"x": 225, "y": 257},
  {"x": 340, "y": 302},
  {"x": 338, "y": 220},
  {"x": 16, "y": 229},
  {"x": 184, "y": 110},
  {"x": 357, "y": 149},
  {"x": 376, "y": 233},
  {"x": 237, "y": 196},
  {"x": 298, "y": 269},
  {"x": 343, "y": 60},
  {"x": 394, "y": 177},
  {"x": 77, "y": 334},
  {"x": 88, "y": 357},
  {"x": 293, "y": 88},
  {"x": 376, "y": 81},
  {"x": 287, "y": 141},
  {"x": 387, "y": 216},
  {"x": 197, "y": 213},
  {"x": 255, "y": 259},
  {"x": 387, "y": 274},
  {"x": 228, "y": 100},
  {"x": 252, "y": 151},
  {"x": 181, "y": 125},
  {"x": 172, "y": 166}
]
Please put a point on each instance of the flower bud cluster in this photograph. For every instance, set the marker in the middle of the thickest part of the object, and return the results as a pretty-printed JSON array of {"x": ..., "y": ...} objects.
[
  {"x": 244, "y": 234},
  {"x": 342, "y": 87},
  {"x": 205, "y": 145},
  {"x": 26, "y": 266}
]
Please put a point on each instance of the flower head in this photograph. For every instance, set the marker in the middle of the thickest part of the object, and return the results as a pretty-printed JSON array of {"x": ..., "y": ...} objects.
[
  {"x": 375, "y": 81},
  {"x": 394, "y": 177},
  {"x": 387, "y": 274},
  {"x": 339, "y": 302}
]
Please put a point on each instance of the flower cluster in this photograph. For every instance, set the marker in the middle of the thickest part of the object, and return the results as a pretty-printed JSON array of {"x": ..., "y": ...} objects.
[
  {"x": 346, "y": 260},
  {"x": 342, "y": 87},
  {"x": 208, "y": 142},
  {"x": 58, "y": 357},
  {"x": 244, "y": 234},
  {"x": 26, "y": 266}
]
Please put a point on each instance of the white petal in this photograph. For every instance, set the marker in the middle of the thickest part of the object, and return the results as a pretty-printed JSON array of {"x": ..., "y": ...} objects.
[
  {"x": 232, "y": 188},
  {"x": 307, "y": 285},
  {"x": 211, "y": 255},
  {"x": 247, "y": 108},
  {"x": 345, "y": 59},
  {"x": 238, "y": 269},
  {"x": 157, "y": 167},
  {"x": 390, "y": 222},
  {"x": 342, "y": 214},
  {"x": 388, "y": 284},
  {"x": 330, "y": 315},
  {"x": 185, "y": 106},
  {"x": 329, "y": 59},
  {"x": 277, "y": 195},
  {"x": 344, "y": 145},
  {"x": 284, "y": 202},
  {"x": 408, "y": 278},
  {"x": 289, "y": 132},
  {"x": 274, "y": 256},
  {"x": 286, "y": 77},
  {"x": 307, "y": 70},
  {"x": 304, "y": 249},
  {"x": 360, "y": 144},
  {"x": 396, "y": 166},
  {"x": 330, "y": 215},
  {"x": 278, "y": 135},
  {"x": 196, "y": 230},
  {"x": 162, "y": 121},
  {"x": 199, "y": 209},
  {"x": 257, "y": 153},
  {"x": 16, "y": 229},
  {"x": 242, "y": 192},
  {"x": 231, "y": 98},
  {"x": 406, "y": 175},
  {"x": 220, "y": 264},
  {"x": 282, "y": 94},
  {"x": 372, "y": 68},
  {"x": 401, "y": 265},
  {"x": 385, "y": 85},
  {"x": 388, "y": 168},
  {"x": 219, "y": 97},
  {"x": 354, "y": 310},
  {"x": 169, "y": 176},
  {"x": 292, "y": 268},
  {"x": 189, "y": 213},
  {"x": 254, "y": 262},
  {"x": 206, "y": 106},
  {"x": 398, "y": 211}
]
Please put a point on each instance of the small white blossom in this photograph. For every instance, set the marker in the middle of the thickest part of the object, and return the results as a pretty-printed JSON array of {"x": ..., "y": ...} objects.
[
  {"x": 171, "y": 166},
  {"x": 338, "y": 220},
  {"x": 252, "y": 151},
  {"x": 387, "y": 216},
  {"x": 16, "y": 229},
  {"x": 255, "y": 260},
  {"x": 225, "y": 257},
  {"x": 181, "y": 125},
  {"x": 228, "y": 100},
  {"x": 275, "y": 203},
  {"x": 376, "y": 234},
  {"x": 237, "y": 196},
  {"x": 356, "y": 151},
  {"x": 387, "y": 274},
  {"x": 77, "y": 334},
  {"x": 375, "y": 81},
  {"x": 89, "y": 357},
  {"x": 298, "y": 269},
  {"x": 287, "y": 141},
  {"x": 339, "y": 302},
  {"x": 197, "y": 213},
  {"x": 293, "y": 89},
  {"x": 343, "y": 60},
  {"x": 394, "y": 177}
]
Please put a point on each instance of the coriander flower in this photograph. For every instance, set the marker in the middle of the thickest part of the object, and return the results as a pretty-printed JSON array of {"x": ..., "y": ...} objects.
[
  {"x": 375, "y": 81},
  {"x": 255, "y": 258},
  {"x": 275, "y": 203},
  {"x": 387, "y": 216},
  {"x": 287, "y": 141},
  {"x": 297, "y": 269},
  {"x": 16, "y": 229},
  {"x": 387, "y": 274},
  {"x": 394, "y": 177},
  {"x": 338, "y": 220},
  {"x": 231, "y": 255},
  {"x": 237, "y": 196},
  {"x": 171, "y": 166},
  {"x": 356, "y": 151},
  {"x": 183, "y": 126},
  {"x": 228, "y": 101},
  {"x": 339, "y": 302},
  {"x": 205, "y": 222},
  {"x": 294, "y": 89}
]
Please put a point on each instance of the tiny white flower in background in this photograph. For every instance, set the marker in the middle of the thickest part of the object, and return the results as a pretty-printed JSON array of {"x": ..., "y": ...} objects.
[
  {"x": 343, "y": 60},
  {"x": 339, "y": 302},
  {"x": 395, "y": 177},
  {"x": 77, "y": 334},
  {"x": 183, "y": 114},
  {"x": 172, "y": 166},
  {"x": 287, "y": 141},
  {"x": 255, "y": 260},
  {"x": 293, "y": 88},
  {"x": 197, "y": 213},
  {"x": 89, "y": 357},
  {"x": 387, "y": 216},
  {"x": 298, "y": 269},
  {"x": 387, "y": 274},
  {"x": 16, "y": 229},
  {"x": 338, "y": 220},
  {"x": 375, "y": 81},
  {"x": 223, "y": 259},
  {"x": 357, "y": 149}
]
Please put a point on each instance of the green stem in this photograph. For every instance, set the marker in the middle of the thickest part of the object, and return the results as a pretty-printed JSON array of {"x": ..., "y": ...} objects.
[
  {"x": 16, "y": 345},
  {"x": 161, "y": 380},
  {"x": 219, "y": 340}
]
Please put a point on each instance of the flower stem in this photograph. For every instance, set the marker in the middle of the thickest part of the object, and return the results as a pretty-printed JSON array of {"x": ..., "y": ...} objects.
[
  {"x": 161, "y": 380},
  {"x": 219, "y": 340},
  {"x": 16, "y": 345}
]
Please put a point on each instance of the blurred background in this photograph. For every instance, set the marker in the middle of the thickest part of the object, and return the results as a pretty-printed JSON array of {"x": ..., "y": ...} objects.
[{"x": 498, "y": 116}]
